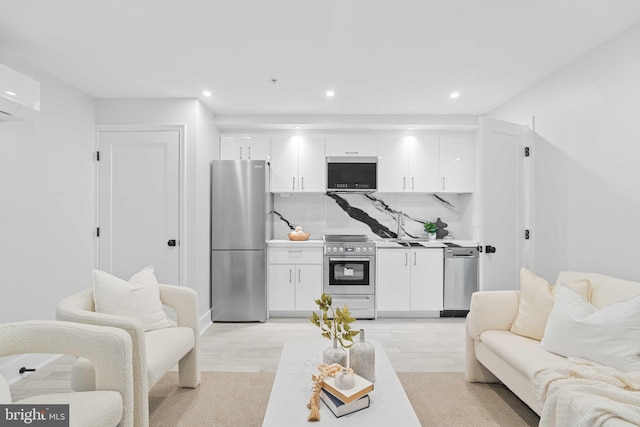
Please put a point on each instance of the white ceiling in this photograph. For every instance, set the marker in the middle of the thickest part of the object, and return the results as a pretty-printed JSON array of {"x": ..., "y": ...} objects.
[{"x": 389, "y": 57}]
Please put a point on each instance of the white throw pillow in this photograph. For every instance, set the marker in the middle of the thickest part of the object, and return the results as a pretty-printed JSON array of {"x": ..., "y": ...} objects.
[
  {"x": 138, "y": 298},
  {"x": 609, "y": 336},
  {"x": 536, "y": 302}
]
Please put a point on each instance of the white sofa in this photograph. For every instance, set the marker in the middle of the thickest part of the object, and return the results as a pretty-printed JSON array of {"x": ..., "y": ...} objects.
[
  {"x": 494, "y": 354},
  {"x": 154, "y": 352}
]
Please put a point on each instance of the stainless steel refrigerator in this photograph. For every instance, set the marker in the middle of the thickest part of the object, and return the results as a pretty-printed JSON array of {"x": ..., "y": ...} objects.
[{"x": 239, "y": 210}]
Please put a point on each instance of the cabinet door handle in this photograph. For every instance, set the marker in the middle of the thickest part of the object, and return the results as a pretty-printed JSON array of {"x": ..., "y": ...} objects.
[
  {"x": 293, "y": 186},
  {"x": 413, "y": 184},
  {"x": 404, "y": 182},
  {"x": 443, "y": 182},
  {"x": 240, "y": 153},
  {"x": 249, "y": 154},
  {"x": 289, "y": 275},
  {"x": 299, "y": 275},
  {"x": 406, "y": 258},
  {"x": 415, "y": 258},
  {"x": 302, "y": 182},
  {"x": 351, "y": 152}
]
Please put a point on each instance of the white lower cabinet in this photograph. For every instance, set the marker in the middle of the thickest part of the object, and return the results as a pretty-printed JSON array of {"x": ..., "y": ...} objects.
[
  {"x": 410, "y": 280},
  {"x": 295, "y": 279}
]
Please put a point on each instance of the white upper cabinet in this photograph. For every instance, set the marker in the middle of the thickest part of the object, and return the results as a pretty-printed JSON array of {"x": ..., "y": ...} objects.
[
  {"x": 408, "y": 164},
  {"x": 393, "y": 165},
  {"x": 456, "y": 164},
  {"x": 351, "y": 146},
  {"x": 245, "y": 147},
  {"x": 425, "y": 164},
  {"x": 298, "y": 164}
]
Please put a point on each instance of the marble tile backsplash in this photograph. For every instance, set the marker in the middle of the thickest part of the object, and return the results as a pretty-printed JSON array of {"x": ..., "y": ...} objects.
[{"x": 373, "y": 215}]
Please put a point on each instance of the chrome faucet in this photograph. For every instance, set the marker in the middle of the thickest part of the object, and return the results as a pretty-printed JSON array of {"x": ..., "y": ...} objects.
[{"x": 400, "y": 221}]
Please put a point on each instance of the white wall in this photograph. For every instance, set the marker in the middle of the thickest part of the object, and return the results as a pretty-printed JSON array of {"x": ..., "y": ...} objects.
[
  {"x": 201, "y": 146},
  {"x": 208, "y": 149},
  {"x": 586, "y": 161},
  {"x": 46, "y": 202}
]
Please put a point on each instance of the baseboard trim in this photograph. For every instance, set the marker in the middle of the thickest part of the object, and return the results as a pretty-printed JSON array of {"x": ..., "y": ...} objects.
[
  {"x": 10, "y": 369},
  {"x": 205, "y": 322},
  {"x": 409, "y": 314}
]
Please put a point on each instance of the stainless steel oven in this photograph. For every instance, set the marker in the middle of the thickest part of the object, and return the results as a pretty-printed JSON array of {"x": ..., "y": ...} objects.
[{"x": 349, "y": 273}]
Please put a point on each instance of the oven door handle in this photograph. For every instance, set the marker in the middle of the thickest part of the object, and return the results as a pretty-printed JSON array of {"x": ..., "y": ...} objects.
[{"x": 349, "y": 259}]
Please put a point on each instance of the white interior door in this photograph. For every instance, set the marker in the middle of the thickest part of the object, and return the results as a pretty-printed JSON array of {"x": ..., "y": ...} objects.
[
  {"x": 501, "y": 204},
  {"x": 138, "y": 203}
]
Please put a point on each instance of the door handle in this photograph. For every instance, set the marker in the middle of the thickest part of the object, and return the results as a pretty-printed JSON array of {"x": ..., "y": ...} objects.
[
  {"x": 299, "y": 275},
  {"x": 443, "y": 182},
  {"x": 415, "y": 258},
  {"x": 289, "y": 275},
  {"x": 406, "y": 258},
  {"x": 249, "y": 154},
  {"x": 404, "y": 182},
  {"x": 490, "y": 249},
  {"x": 240, "y": 153},
  {"x": 293, "y": 187},
  {"x": 413, "y": 184},
  {"x": 302, "y": 182},
  {"x": 171, "y": 242}
]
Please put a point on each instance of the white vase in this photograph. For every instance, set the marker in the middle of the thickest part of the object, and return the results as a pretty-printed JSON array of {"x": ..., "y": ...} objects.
[
  {"x": 431, "y": 236},
  {"x": 362, "y": 358},
  {"x": 334, "y": 354},
  {"x": 345, "y": 380}
]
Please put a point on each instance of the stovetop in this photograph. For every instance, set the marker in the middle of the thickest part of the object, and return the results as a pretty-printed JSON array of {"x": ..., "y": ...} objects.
[{"x": 348, "y": 238}]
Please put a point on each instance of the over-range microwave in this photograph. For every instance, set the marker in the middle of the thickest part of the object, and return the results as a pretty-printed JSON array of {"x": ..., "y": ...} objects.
[{"x": 352, "y": 173}]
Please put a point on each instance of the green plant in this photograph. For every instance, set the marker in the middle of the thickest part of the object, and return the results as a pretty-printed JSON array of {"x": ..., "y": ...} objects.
[
  {"x": 430, "y": 227},
  {"x": 338, "y": 328}
]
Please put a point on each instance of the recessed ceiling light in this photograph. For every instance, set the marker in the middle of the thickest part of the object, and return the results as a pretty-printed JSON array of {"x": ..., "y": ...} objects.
[
  {"x": 330, "y": 93},
  {"x": 410, "y": 128},
  {"x": 247, "y": 137},
  {"x": 206, "y": 93},
  {"x": 298, "y": 127},
  {"x": 8, "y": 92},
  {"x": 454, "y": 95}
]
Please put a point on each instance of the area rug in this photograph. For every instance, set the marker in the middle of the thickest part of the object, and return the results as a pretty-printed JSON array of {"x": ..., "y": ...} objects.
[
  {"x": 447, "y": 399},
  {"x": 230, "y": 399}
]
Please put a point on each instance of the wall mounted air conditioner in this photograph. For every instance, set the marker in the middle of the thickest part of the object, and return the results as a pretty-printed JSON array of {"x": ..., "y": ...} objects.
[{"x": 19, "y": 95}]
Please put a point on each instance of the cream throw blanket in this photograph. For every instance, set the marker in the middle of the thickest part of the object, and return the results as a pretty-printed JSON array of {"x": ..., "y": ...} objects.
[{"x": 587, "y": 394}]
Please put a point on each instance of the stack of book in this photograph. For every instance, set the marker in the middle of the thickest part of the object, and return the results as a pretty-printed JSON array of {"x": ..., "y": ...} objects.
[{"x": 343, "y": 402}]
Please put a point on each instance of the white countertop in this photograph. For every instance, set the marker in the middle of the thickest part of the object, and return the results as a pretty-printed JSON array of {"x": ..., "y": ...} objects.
[{"x": 382, "y": 243}]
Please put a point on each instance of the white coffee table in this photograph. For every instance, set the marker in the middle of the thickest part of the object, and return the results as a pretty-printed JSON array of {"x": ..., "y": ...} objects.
[{"x": 292, "y": 388}]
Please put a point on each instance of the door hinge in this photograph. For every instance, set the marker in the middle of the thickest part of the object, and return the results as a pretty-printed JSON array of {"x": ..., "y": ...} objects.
[
  {"x": 526, "y": 151},
  {"x": 527, "y": 234},
  {"x": 97, "y": 231},
  {"x": 97, "y": 156}
]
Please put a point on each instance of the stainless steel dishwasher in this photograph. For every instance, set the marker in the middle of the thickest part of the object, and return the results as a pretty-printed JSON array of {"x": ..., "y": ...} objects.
[{"x": 460, "y": 280}]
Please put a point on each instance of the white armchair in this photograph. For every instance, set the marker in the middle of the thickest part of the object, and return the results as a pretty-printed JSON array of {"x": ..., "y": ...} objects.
[
  {"x": 154, "y": 352},
  {"x": 108, "y": 348}
]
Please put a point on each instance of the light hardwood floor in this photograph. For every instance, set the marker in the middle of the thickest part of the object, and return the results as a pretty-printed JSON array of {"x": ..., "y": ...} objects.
[{"x": 413, "y": 345}]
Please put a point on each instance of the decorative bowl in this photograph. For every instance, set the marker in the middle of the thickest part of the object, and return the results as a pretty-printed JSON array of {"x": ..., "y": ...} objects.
[{"x": 298, "y": 237}]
